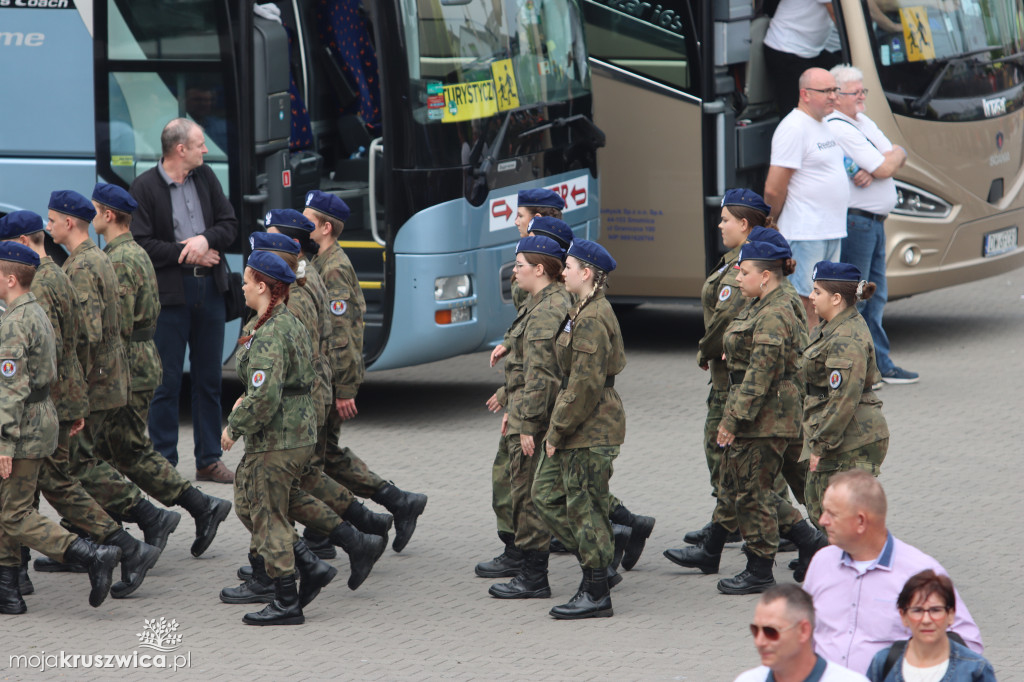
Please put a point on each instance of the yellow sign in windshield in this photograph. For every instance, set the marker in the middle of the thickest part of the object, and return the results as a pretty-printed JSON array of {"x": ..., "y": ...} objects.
[
  {"x": 917, "y": 34},
  {"x": 480, "y": 99}
]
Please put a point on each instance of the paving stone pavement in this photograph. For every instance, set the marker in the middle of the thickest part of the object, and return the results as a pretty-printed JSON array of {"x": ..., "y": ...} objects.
[{"x": 954, "y": 491}]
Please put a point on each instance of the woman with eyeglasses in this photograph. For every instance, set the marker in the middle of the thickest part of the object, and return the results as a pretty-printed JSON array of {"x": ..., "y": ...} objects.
[{"x": 927, "y": 606}]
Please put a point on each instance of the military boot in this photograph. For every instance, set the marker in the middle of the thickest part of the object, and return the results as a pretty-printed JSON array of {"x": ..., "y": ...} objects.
[
  {"x": 755, "y": 578},
  {"x": 556, "y": 546},
  {"x": 101, "y": 561},
  {"x": 696, "y": 537},
  {"x": 156, "y": 524},
  {"x": 208, "y": 511},
  {"x": 620, "y": 535},
  {"x": 706, "y": 556},
  {"x": 285, "y": 608},
  {"x": 11, "y": 603},
  {"x": 406, "y": 508},
  {"x": 45, "y": 564},
  {"x": 808, "y": 540},
  {"x": 314, "y": 573},
  {"x": 530, "y": 583},
  {"x": 505, "y": 565},
  {"x": 136, "y": 560},
  {"x": 593, "y": 601},
  {"x": 367, "y": 521},
  {"x": 320, "y": 545},
  {"x": 25, "y": 585},
  {"x": 640, "y": 527},
  {"x": 258, "y": 589},
  {"x": 363, "y": 551}
]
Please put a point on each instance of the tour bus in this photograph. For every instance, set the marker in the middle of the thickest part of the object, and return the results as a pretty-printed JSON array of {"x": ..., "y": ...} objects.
[
  {"x": 682, "y": 96},
  {"x": 426, "y": 116}
]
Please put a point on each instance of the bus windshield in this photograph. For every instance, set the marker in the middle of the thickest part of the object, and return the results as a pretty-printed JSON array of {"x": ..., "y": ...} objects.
[{"x": 947, "y": 59}]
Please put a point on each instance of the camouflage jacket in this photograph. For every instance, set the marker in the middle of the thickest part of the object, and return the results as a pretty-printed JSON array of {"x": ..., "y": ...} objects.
[
  {"x": 546, "y": 315},
  {"x": 55, "y": 294},
  {"x": 841, "y": 412},
  {"x": 346, "y": 306},
  {"x": 721, "y": 299},
  {"x": 317, "y": 292},
  {"x": 519, "y": 298},
  {"x": 28, "y": 362},
  {"x": 510, "y": 395},
  {"x": 761, "y": 354},
  {"x": 100, "y": 349},
  {"x": 140, "y": 306},
  {"x": 276, "y": 365},
  {"x": 587, "y": 411}
]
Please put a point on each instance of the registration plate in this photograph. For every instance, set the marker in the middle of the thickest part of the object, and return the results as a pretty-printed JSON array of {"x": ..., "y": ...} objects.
[{"x": 1000, "y": 241}]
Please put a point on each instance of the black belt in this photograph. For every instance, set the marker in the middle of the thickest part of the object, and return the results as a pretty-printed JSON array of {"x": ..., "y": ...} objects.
[
  {"x": 296, "y": 390},
  {"x": 736, "y": 378},
  {"x": 38, "y": 395},
  {"x": 880, "y": 217},
  {"x": 143, "y": 334},
  {"x": 198, "y": 271},
  {"x": 608, "y": 382}
]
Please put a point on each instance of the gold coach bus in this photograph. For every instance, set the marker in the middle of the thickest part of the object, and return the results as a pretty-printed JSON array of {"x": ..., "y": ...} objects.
[{"x": 680, "y": 90}]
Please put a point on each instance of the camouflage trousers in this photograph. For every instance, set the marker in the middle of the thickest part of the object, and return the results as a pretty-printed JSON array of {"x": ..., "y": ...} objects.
[
  {"x": 570, "y": 492},
  {"x": 713, "y": 453},
  {"x": 794, "y": 472},
  {"x": 21, "y": 523},
  {"x": 868, "y": 457},
  {"x": 125, "y": 445},
  {"x": 531, "y": 532},
  {"x": 501, "y": 487},
  {"x": 318, "y": 484},
  {"x": 343, "y": 465},
  {"x": 108, "y": 487}
]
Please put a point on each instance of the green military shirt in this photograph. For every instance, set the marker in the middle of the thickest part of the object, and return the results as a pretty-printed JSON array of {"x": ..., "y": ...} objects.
[
  {"x": 317, "y": 292},
  {"x": 28, "y": 367},
  {"x": 542, "y": 379},
  {"x": 519, "y": 298},
  {"x": 346, "y": 306},
  {"x": 100, "y": 349},
  {"x": 511, "y": 393},
  {"x": 841, "y": 412},
  {"x": 721, "y": 299},
  {"x": 140, "y": 307}
]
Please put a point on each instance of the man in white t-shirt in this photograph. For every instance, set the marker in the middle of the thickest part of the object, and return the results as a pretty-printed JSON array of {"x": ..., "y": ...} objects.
[
  {"x": 864, "y": 245},
  {"x": 783, "y": 630},
  {"x": 795, "y": 42},
  {"x": 807, "y": 186}
]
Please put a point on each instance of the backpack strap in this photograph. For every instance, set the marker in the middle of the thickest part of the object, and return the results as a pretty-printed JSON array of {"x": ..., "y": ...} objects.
[{"x": 897, "y": 649}]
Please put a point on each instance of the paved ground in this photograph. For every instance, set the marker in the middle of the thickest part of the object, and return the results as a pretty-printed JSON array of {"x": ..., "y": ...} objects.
[{"x": 954, "y": 487}]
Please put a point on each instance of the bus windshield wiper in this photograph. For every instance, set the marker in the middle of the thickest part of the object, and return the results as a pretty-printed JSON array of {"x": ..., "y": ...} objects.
[
  {"x": 481, "y": 167},
  {"x": 595, "y": 136},
  {"x": 920, "y": 105}
]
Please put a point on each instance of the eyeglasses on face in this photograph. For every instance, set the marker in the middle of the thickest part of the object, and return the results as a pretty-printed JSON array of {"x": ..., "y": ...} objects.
[
  {"x": 518, "y": 266},
  {"x": 826, "y": 91},
  {"x": 936, "y": 612},
  {"x": 770, "y": 633},
  {"x": 863, "y": 92}
]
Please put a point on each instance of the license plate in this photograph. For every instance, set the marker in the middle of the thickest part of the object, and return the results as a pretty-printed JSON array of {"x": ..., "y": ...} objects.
[{"x": 1000, "y": 241}]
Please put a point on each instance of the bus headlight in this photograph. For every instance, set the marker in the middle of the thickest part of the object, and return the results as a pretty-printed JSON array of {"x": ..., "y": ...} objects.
[
  {"x": 914, "y": 201},
  {"x": 449, "y": 288}
]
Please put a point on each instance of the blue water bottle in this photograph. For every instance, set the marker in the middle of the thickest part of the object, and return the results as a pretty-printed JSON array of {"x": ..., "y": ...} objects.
[{"x": 851, "y": 166}]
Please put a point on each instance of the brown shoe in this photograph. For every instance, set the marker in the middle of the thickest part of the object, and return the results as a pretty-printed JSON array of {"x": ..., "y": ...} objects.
[{"x": 216, "y": 472}]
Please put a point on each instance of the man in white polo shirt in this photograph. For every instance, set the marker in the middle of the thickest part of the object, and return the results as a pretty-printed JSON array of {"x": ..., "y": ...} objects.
[{"x": 807, "y": 186}]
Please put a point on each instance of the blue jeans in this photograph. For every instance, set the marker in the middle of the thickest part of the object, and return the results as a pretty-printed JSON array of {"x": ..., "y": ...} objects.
[
  {"x": 864, "y": 246},
  {"x": 199, "y": 325},
  {"x": 807, "y": 253}
]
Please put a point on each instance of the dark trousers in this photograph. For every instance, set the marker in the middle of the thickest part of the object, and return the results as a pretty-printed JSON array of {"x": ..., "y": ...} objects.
[
  {"x": 784, "y": 70},
  {"x": 198, "y": 325}
]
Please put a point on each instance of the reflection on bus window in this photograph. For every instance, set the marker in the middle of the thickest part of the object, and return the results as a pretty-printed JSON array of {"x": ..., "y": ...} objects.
[{"x": 163, "y": 29}]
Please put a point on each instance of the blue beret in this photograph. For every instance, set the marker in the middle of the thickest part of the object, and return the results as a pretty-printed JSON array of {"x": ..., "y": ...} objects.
[
  {"x": 115, "y": 197},
  {"x": 17, "y": 223},
  {"x": 752, "y": 250},
  {"x": 18, "y": 253},
  {"x": 268, "y": 241},
  {"x": 767, "y": 234},
  {"x": 746, "y": 197},
  {"x": 328, "y": 204},
  {"x": 541, "y": 197},
  {"x": 287, "y": 217},
  {"x": 540, "y": 244},
  {"x": 836, "y": 272},
  {"x": 271, "y": 265},
  {"x": 72, "y": 203},
  {"x": 552, "y": 227},
  {"x": 592, "y": 253}
]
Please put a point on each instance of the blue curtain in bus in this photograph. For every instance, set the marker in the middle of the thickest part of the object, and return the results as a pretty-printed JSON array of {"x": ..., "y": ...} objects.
[
  {"x": 346, "y": 32},
  {"x": 302, "y": 129}
]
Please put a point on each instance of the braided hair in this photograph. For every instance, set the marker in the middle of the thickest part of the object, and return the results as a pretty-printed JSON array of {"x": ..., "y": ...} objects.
[
  {"x": 600, "y": 281},
  {"x": 279, "y": 292}
]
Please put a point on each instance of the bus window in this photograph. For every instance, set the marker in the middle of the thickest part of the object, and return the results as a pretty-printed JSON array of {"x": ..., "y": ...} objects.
[{"x": 162, "y": 29}]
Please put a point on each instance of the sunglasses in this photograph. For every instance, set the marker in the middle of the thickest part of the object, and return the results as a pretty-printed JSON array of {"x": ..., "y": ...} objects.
[{"x": 770, "y": 633}]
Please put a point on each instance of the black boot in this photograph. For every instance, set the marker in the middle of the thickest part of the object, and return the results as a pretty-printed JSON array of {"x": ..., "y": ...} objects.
[
  {"x": 136, "y": 560},
  {"x": 258, "y": 589},
  {"x": 620, "y": 535},
  {"x": 641, "y": 527},
  {"x": 696, "y": 537},
  {"x": 45, "y": 564},
  {"x": 367, "y": 521},
  {"x": 530, "y": 583},
  {"x": 755, "y": 578},
  {"x": 505, "y": 565},
  {"x": 593, "y": 601},
  {"x": 11, "y": 603},
  {"x": 285, "y": 609},
  {"x": 363, "y": 551},
  {"x": 208, "y": 511},
  {"x": 320, "y": 545},
  {"x": 25, "y": 585},
  {"x": 808, "y": 540},
  {"x": 556, "y": 546},
  {"x": 101, "y": 561},
  {"x": 706, "y": 556},
  {"x": 314, "y": 573},
  {"x": 156, "y": 524},
  {"x": 406, "y": 508}
]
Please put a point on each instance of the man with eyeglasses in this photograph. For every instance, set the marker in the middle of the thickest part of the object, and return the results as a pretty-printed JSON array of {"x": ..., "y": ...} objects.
[
  {"x": 872, "y": 197},
  {"x": 783, "y": 631},
  {"x": 856, "y": 581}
]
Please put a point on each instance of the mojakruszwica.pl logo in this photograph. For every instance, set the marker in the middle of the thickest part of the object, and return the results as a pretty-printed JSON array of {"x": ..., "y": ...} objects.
[{"x": 158, "y": 635}]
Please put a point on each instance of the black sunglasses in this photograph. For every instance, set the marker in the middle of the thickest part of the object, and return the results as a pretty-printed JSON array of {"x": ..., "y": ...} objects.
[{"x": 770, "y": 633}]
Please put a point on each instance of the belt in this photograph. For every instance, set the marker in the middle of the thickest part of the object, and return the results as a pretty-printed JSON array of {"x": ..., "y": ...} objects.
[
  {"x": 736, "y": 378},
  {"x": 608, "y": 382},
  {"x": 143, "y": 334},
  {"x": 880, "y": 217},
  {"x": 819, "y": 391},
  {"x": 296, "y": 390},
  {"x": 198, "y": 271},
  {"x": 38, "y": 395}
]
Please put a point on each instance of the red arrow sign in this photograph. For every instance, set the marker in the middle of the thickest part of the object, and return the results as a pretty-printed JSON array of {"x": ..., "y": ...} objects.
[
  {"x": 501, "y": 209},
  {"x": 576, "y": 192}
]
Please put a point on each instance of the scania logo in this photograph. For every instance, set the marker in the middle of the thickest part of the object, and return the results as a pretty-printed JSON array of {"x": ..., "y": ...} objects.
[{"x": 999, "y": 140}]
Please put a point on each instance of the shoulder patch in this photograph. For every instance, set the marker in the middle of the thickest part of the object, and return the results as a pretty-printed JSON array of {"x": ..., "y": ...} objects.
[
  {"x": 258, "y": 377},
  {"x": 8, "y": 368},
  {"x": 338, "y": 307},
  {"x": 725, "y": 293},
  {"x": 835, "y": 379}
]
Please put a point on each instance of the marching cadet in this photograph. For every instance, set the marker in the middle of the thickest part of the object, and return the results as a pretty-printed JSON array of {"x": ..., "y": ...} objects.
[
  {"x": 844, "y": 427},
  {"x": 123, "y": 441},
  {"x": 28, "y": 433},
  {"x": 587, "y": 426},
  {"x": 328, "y": 214}
]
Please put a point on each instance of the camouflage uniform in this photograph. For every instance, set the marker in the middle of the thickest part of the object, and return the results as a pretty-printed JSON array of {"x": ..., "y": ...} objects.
[
  {"x": 587, "y": 426},
  {"x": 763, "y": 412},
  {"x": 277, "y": 418},
  {"x": 843, "y": 420}
]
